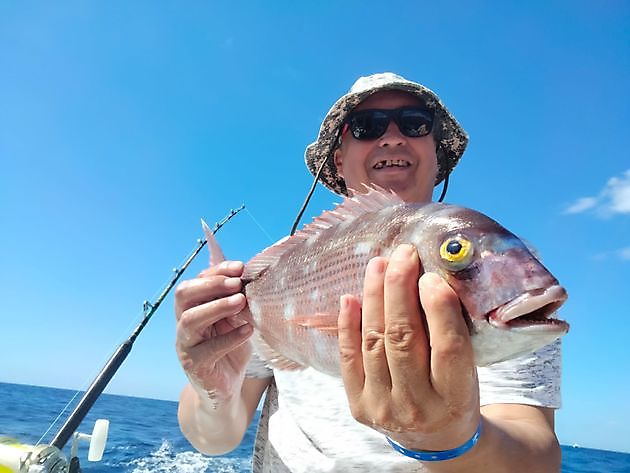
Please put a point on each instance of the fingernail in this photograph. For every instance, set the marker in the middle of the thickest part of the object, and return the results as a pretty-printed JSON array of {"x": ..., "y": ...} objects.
[
  {"x": 230, "y": 265},
  {"x": 376, "y": 265},
  {"x": 430, "y": 280},
  {"x": 404, "y": 251},
  {"x": 232, "y": 283},
  {"x": 235, "y": 299},
  {"x": 244, "y": 329},
  {"x": 234, "y": 265}
]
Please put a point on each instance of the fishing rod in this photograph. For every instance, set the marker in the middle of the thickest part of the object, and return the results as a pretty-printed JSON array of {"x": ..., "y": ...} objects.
[
  {"x": 110, "y": 368},
  {"x": 18, "y": 458}
]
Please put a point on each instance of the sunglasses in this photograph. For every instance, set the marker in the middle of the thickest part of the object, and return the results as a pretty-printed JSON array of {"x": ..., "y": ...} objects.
[{"x": 367, "y": 125}]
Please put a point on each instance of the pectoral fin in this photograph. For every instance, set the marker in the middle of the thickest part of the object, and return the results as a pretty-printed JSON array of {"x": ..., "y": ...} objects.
[{"x": 325, "y": 323}]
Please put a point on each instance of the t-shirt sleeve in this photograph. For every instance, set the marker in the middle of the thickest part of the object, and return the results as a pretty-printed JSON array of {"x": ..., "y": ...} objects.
[
  {"x": 257, "y": 368},
  {"x": 532, "y": 379}
]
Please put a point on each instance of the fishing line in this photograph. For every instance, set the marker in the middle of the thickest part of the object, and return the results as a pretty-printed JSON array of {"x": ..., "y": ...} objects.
[
  {"x": 260, "y": 226},
  {"x": 65, "y": 408},
  {"x": 116, "y": 360},
  {"x": 91, "y": 376}
]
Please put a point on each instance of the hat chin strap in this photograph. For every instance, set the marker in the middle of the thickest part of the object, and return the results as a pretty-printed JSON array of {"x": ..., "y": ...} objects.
[
  {"x": 440, "y": 156},
  {"x": 444, "y": 188},
  {"x": 312, "y": 189}
]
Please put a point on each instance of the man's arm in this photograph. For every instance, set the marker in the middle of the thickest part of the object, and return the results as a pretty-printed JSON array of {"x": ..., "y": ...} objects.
[
  {"x": 515, "y": 438},
  {"x": 212, "y": 343},
  {"x": 217, "y": 428}
]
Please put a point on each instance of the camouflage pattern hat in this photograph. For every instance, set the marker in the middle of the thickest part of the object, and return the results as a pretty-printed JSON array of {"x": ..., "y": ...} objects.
[{"x": 447, "y": 132}]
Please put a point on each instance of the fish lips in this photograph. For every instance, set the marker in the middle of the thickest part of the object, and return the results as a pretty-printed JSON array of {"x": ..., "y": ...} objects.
[{"x": 532, "y": 311}]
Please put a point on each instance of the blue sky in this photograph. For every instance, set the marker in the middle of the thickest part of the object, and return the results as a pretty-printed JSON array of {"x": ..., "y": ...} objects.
[{"x": 123, "y": 123}]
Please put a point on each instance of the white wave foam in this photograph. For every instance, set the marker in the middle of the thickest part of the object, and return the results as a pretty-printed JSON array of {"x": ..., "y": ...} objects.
[{"x": 165, "y": 460}]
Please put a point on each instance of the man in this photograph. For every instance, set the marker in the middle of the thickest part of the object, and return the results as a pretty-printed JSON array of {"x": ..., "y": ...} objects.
[{"x": 410, "y": 393}]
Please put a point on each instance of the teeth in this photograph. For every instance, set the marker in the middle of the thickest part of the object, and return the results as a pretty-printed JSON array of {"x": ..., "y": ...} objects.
[{"x": 390, "y": 163}]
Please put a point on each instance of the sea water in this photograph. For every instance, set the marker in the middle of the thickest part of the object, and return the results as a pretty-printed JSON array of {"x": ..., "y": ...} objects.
[{"x": 144, "y": 436}]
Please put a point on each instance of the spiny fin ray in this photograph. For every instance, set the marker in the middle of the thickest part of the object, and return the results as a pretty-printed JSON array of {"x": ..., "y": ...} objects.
[
  {"x": 216, "y": 255},
  {"x": 350, "y": 209}
]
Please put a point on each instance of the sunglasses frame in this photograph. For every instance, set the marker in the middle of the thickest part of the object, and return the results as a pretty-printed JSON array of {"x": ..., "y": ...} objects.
[{"x": 391, "y": 114}]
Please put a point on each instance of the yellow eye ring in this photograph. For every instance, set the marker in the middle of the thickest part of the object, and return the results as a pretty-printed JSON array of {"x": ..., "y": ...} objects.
[{"x": 456, "y": 250}]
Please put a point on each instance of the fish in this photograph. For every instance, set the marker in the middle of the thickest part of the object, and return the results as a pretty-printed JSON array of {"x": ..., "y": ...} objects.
[{"x": 509, "y": 299}]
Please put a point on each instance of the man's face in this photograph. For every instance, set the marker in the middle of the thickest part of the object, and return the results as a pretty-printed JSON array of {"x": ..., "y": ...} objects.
[{"x": 408, "y": 166}]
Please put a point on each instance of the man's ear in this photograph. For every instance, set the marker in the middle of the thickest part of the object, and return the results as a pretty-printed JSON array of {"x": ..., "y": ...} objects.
[{"x": 338, "y": 162}]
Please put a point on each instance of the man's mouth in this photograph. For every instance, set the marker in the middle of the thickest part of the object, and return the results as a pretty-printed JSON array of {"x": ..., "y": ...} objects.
[{"x": 392, "y": 163}]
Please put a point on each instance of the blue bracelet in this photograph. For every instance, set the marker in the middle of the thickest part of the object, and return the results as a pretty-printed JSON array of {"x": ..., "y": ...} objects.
[{"x": 436, "y": 456}]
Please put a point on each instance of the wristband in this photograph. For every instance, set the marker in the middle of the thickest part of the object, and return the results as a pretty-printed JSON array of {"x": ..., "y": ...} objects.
[{"x": 436, "y": 456}]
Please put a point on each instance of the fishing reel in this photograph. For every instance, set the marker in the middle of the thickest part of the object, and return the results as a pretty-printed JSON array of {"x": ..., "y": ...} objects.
[{"x": 16, "y": 457}]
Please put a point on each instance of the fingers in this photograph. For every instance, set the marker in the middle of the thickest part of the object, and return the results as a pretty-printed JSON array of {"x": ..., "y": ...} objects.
[
  {"x": 194, "y": 292},
  {"x": 215, "y": 364},
  {"x": 373, "y": 328},
  {"x": 226, "y": 268},
  {"x": 194, "y": 321},
  {"x": 350, "y": 340},
  {"x": 404, "y": 371},
  {"x": 219, "y": 281},
  {"x": 217, "y": 347},
  {"x": 406, "y": 343},
  {"x": 452, "y": 360},
  {"x": 201, "y": 303}
]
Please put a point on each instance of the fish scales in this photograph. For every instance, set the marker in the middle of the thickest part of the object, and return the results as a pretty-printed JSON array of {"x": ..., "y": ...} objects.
[
  {"x": 293, "y": 287},
  {"x": 331, "y": 264}
]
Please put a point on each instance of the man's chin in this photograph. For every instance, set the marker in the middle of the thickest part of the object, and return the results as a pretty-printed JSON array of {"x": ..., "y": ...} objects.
[
  {"x": 413, "y": 197},
  {"x": 407, "y": 190}
]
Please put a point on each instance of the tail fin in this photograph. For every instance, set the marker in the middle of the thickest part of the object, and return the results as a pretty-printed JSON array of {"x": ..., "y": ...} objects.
[{"x": 216, "y": 255}]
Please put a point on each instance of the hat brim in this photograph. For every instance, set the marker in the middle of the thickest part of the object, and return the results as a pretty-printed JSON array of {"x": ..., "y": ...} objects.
[{"x": 447, "y": 132}]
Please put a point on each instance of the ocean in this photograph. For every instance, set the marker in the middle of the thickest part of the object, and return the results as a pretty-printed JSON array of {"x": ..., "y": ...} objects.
[{"x": 144, "y": 436}]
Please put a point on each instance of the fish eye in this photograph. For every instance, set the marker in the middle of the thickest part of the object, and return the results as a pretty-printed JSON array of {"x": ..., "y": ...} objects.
[{"x": 456, "y": 251}]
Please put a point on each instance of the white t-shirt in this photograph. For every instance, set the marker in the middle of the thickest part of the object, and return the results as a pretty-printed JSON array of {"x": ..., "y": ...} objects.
[{"x": 306, "y": 425}]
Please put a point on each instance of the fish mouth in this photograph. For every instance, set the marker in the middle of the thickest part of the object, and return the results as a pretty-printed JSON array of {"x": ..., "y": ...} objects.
[
  {"x": 392, "y": 163},
  {"x": 533, "y": 310}
]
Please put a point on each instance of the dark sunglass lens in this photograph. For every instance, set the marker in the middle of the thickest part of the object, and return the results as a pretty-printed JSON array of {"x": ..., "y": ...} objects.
[
  {"x": 415, "y": 122},
  {"x": 368, "y": 125}
]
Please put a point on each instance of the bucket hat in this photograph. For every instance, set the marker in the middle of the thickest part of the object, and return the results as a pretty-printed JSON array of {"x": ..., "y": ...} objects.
[{"x": 447, "y": 132}]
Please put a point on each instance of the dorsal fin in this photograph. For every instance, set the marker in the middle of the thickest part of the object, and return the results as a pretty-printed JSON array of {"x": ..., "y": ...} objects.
[
  {"x": 350, "y": 209},
  {"x": 267, "y": 257}
]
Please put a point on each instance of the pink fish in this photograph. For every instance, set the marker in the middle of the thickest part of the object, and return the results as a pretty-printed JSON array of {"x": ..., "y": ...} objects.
[{"x": 293, "y": 287}]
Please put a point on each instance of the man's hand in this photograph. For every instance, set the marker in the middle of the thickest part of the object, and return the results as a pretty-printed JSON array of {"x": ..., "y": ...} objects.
[
  {"x": 211, "y": 337},
  {"x": 409, "y": 375}
]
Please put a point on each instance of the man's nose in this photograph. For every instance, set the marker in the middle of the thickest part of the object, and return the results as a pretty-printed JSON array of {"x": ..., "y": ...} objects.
[{"x": 392, "y": 136}]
